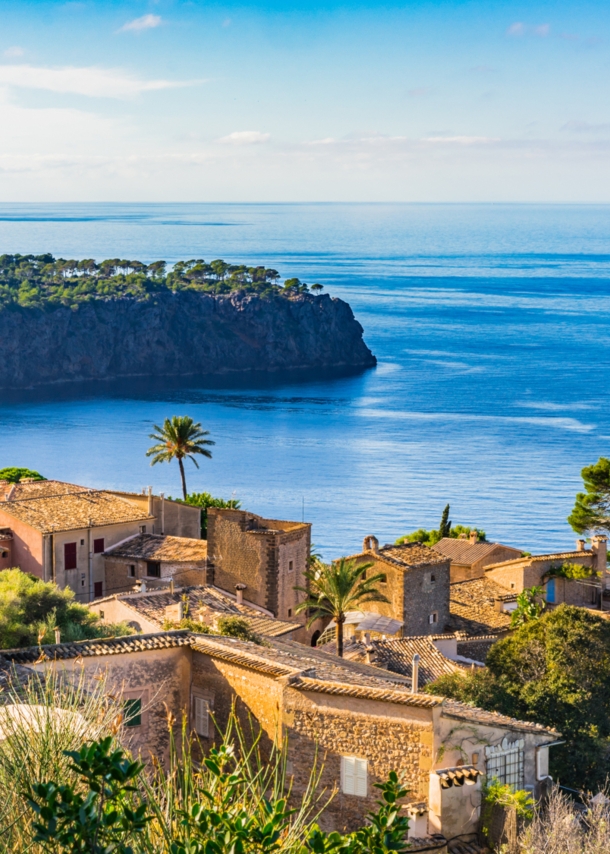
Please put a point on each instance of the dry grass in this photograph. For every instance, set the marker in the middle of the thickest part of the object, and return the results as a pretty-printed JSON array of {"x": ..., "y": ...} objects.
[{"x": 559, "y": 827}]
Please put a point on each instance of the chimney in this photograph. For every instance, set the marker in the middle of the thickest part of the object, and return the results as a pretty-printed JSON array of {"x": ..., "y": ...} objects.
[
  {"x": 599, "y": 544},
  {"x": 57, "y": 636},
  {"x": 370, "y": 544},
  {"x": 171, "y": 585},
  {"x": 415, "y": 675},
  {"x": 142, "y": 586},
  {"x": 580, "y": 545},
  {"x": 239, "y": 592},
  {"x": 474, "y": 536},
  {"x": 150, "y": 501}
]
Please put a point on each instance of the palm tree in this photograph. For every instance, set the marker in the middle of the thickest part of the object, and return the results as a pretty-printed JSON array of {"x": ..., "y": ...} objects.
[
  {"x": 179, "y": 437},
  {"x": 336, "y": 588}
]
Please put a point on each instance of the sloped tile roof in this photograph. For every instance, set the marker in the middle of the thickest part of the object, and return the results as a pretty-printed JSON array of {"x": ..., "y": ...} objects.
[
  {"x": 37, "y": 489},
  {"x": 476, "y": 649},
  {"x": 161, "y": 547},
  {"x": 205, "y": 602},
  {"x": 465, "y": 552},
  {"x": 67, "y": 511},
  {"x": 100, "y": 646},
  {"x": 539, "y": 558},
  {"x": 397, "y": 655},
  {"x": 462, "y": 711},
  {"x": 471, "y": 605},
  {"x": 404, "y": 556}
]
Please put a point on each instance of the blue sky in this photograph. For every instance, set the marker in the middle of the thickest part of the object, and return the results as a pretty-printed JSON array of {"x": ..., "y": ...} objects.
[{"x": 265, "y": 101}]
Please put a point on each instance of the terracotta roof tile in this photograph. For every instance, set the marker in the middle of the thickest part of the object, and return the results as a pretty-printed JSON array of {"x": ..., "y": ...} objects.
[
  {"x": 99, "y": 646},
  {"x": 396, "y": 656},
  {"x": 162, "y": 548},
  {"x": 535, "y": 558},
  {"x": 463, "y": 551},
  {"x": 455, "y": 709},
  {"x": 73, "y": 510},
  {"x": 471, "y": 604},
  {"x": 405, "y": 556}
]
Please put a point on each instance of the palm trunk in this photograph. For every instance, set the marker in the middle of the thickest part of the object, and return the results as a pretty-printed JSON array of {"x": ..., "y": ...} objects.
[
  {"x": 181, "y": 464},
  {"x": 340, "y": 620}
]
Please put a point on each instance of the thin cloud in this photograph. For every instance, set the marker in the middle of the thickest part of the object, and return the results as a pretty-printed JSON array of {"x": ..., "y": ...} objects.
[
  {"x": 246, "y": 137},
  {"x": 92, "y": 81},
  {"x": 516, "y": 29},
  {"x": 227, "y": 22},
  {"x": 542, "y": 30},
  {"x": 520, "y": 29},
  {"x": 146, "y": 22},
  {"x": 13, "y": 52},
  {"x": 483, "y": 69},
  {"x": 586, "y": 127},
  {"x": 419, "y": 93}
]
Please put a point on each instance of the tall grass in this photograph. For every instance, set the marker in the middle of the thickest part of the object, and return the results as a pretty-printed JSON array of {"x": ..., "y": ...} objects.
[{"x": 559, "y": 827}]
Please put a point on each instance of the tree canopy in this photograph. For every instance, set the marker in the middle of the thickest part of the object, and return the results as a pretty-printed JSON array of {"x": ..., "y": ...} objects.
[
  {"x": 554, "y": 670},
  {"x": 204, "y": 500},
  {"x": 31, "y": 609},
  {"x": 180, "y": 438},
  {"x": 42, "y": 281},
  {"x": 14, "y": 474},
  {"x": 592, "y": 508}
]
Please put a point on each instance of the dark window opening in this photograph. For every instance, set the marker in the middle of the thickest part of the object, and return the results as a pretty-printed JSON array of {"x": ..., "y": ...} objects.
[
  {"x": 153, "y": 569},
  {"x": 98, "y": 546},
  {"x": 132, "y": 570},
  {"x": 98, "y": 589},
  {"x": 290, "y": 566},
  {"x": 290, "y": 612},
  {"x": 69, "y": 555},
  {"x": 133, "y": 712},
  {"x": 314, "y": 637},
  {"x": 82, "y": 542},
  {"x": 432, "y": 578},
  {"x": 142, "y": 529}
]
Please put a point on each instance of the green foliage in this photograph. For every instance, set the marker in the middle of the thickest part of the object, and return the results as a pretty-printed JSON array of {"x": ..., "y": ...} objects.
[
  {"x": 204, "y": 500},
  {"x": 187, "y": 623},
  {"x": 31, "y": 609},
  {"x": 554, "y": 670},
  {"x": 500, "y": 794},
  {"x": 14, "y": 474},
  {"x": 336, "y": 588},
  {"x": 180, "y": 438},
  {"x": 444, "y": 529},
  {"x": 45, "y": 282},
  {"x": 236, "y": 627},
  {"x": 530, "y": 605},
  {"x": 431, "y": 538},
  {"x": 592, "y": 508},
  {"x": 99, "y": 822},
  {"x": 571, "y": 571}
]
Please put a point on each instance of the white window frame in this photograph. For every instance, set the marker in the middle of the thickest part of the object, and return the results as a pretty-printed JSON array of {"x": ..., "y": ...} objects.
[
  {"x": 201, "y": 716},
  {"x": 354, "y": 776},
  {"x": 505, "y": 762},
  {"x": 433, "y": 618}
]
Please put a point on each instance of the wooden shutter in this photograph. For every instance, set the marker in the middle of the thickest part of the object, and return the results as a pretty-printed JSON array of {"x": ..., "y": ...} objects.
[
  {"x": 348, "y": 776},
  {"x": 69, "y": 555},
  {"x": 360, "y": 781},
  {"x": 201, "y": 710}
]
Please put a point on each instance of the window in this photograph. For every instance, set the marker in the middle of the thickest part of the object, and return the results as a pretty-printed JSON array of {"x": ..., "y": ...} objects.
[
  {"x": 201, "y": 715},
  {"x": 550, "y": 591},
  {"x": 433, "y": 618},
  {"x": 290, "y": 565},
  {"x": 133, "y": 712},
  {"x": 153, "y": 569},
  {"x": 101, "y": 613},
  {"x": 290, "y": 612},
  {"x": 82, "y": 579},
  {"x": 432, "y": 578},
  {"x": 505, "y": 762},
  {"x": 69, "y": 555},
  {"x": 142, "y": 529},
  {"x": 98, "y": 546},
  {"x": 82, "y": 542},
  {"x": 353, "y": 776},
  {"x": 98, "y": 589},
  {"x": 132, "y": 570},
  {"x": 512, "y": 585}
]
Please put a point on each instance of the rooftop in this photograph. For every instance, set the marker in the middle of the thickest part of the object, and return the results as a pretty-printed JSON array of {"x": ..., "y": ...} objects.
[
  {"x": 463, "y": 551},
  {"x": 462, "y": 711},
  {"x": 472, "y": 609},
  {"x": 99, "y": 646},
  {"x": 36, "y": 489},
  {"x": 405, "y": 556},
  {"x": 71, "y": 509},
  {"x": 161, "y": 547},
  {"x": 536, "y": 558},
  {"x": 396, "y": 655},
  {"x": 204, "y": 602}
]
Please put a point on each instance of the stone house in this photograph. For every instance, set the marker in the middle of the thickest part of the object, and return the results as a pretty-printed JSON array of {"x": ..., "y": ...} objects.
[
  {"x": 267, "y": 558},
  {"x": 469, "y": 557},
  {"x": 147, "y": 611},
  {"x": 60, "y": 531},
  {"x": 362, "y": 722},
  {"x": 156, "y": 559},
  {"x": 416, "y": 584},
  {"x": 532, "y": 571}
]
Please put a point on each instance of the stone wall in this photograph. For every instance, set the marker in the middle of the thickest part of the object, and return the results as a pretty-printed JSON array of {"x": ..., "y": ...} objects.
[{"x": 526, "y": 573}]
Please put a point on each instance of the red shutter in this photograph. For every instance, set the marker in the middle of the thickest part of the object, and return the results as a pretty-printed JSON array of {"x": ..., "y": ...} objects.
[
  {"x": 70, "y": 555},
  {"x": 98, "y": 546},
  {"x": 98, "y": 589}
]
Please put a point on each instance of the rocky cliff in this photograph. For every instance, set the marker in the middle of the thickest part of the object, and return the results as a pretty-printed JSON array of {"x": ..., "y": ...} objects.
[{"x": 177, "y": 334}]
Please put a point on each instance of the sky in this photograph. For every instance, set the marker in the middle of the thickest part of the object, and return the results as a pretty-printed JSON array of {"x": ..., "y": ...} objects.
[{"x": 304, "y": 100}]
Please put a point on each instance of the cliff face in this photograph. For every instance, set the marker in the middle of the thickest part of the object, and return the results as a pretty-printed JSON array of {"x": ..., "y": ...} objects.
[{"x": 178, "y": 334}]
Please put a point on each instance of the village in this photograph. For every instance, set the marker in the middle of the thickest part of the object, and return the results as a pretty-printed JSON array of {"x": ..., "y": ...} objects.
[{"x": 350, "y": 688}]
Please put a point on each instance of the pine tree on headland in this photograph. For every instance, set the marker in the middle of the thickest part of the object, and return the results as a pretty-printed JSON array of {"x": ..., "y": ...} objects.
[{"x": 444, "y": 529}]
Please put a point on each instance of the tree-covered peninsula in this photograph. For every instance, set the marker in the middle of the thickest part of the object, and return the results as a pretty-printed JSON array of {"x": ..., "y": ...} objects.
[
  {"x": 42, "y": 281},
  {"x": 74, "y": 321}
]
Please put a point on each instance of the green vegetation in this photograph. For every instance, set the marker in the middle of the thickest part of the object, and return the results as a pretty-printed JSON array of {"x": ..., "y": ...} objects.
[
  {"x": 531, "y": 603},
  {"x": 500, "y": 794},
  {"x": 445, "y": 529},
  {"x": 15, "y": 475},
  {"x": 42, "y": 281},
  {"x": 31, "y": 610},
  {"x": 572, "y": 571},
  {"x": 230, "y": 627},
  {"x": 59, "y": 795},
  {"x": 336, "y": 588},
  {"x": 592, "y": 508},
  {"x": 204, "y": 500},
  {"x": 554, "y": 670},
  {"x": 180, "y": 438}
]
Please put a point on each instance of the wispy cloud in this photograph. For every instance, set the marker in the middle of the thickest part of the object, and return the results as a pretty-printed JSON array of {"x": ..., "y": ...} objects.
[
  {"x": 246, "y": 137},
  {"x": 13, "y": 52},
  {"x": 421, "y": 92},
  {"x": 520, "y": 29},
  {"x": 586, "y": 127},
  {"x": 516, "y": 29},
  {"x": 227, "y": 22},
  {"x": 483, "y": 69},
  {"x": 146, "y": 22},
  {"x": 91, "y": 81}
]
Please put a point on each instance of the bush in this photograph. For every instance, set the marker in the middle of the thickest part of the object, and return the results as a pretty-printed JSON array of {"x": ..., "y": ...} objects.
[{"x": 15, "y": 475}]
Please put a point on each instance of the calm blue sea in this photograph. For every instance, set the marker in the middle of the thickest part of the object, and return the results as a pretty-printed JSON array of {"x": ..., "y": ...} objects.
[{"x": 491, "y": 325}]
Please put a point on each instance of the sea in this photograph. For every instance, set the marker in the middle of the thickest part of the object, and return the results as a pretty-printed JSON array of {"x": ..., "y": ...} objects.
[{"x": 490, "y": 324}]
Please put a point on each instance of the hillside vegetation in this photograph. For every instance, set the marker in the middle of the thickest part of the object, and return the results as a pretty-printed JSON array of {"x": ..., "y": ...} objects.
[{"x": 42, "y": 281}]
